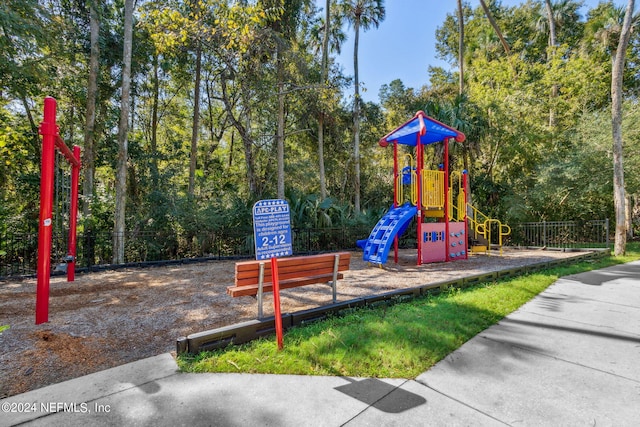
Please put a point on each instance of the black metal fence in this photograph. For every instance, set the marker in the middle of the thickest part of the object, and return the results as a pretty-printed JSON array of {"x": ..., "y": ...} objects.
[
  {"x": 18, "y": 252},
  {"x": 561, "y": 234}
]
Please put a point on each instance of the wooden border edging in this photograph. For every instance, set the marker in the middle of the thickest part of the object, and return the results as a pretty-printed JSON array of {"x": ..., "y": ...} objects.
[{"x": 240, "y": 333}]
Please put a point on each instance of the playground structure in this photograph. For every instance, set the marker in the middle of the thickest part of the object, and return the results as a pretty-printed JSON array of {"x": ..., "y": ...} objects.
[
  {"x": 440, "y": 195},
  {"x": 50, "y": 142}
]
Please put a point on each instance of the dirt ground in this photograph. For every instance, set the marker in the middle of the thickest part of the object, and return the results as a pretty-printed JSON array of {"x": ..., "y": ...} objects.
[{"x": 110, "y": 318}]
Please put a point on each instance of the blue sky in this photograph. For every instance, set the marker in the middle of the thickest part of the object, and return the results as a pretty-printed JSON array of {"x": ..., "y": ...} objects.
[{"x": 403, "y": 46}]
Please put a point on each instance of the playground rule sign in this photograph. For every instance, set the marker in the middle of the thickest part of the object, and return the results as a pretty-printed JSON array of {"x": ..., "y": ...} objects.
[{"x": 272, "y": 229}]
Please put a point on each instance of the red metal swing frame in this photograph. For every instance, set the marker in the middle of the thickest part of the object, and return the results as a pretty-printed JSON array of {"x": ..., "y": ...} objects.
[{"x": 50, "y": 142}]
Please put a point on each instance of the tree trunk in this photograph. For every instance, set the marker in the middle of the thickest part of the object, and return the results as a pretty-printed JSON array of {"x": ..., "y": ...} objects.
[
  {"x": 215, "y": 136},
  {"x": 460, "y": 48},
  {"x": 247, "y": 142},
  {"x": 88, "y": 162},
  {"x": 552, "y": 47},
  {"x": 324, "y": 79},
  {"x": 465, "y": 144},
  {"x": 245, "y": 134},
  {"x": 280, "y": 130},
  {"x": 635, "y": 213},
  {"x": 494, "y": 24},
  {"x": 233, "y": 137},
  {"x": 322, "y": 171},
  {"x": 35, "y": 138},
  {"x": 356, "y": 121},
  {"x": 552, "y": 23},
  {"x": 629, "y": 216},
  {"x": 154, "y": 122},
  {"x": 196, "y": 121},
  {"x": 121, "y": 171},
  {"x": 616, "y": 125}
]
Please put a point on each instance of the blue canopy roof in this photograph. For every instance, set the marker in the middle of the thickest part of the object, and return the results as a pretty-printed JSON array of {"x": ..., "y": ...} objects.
[{"x": 430, "y": 131}]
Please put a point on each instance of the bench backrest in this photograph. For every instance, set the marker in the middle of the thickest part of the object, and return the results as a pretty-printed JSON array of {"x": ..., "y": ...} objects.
[{"x": 248, "y": 272}]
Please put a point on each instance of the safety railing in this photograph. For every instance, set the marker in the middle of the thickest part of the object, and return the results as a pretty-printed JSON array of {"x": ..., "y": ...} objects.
[
  {"x": 490, "y": 229},
  {"x": 432, "y": 189},
  {"x": 476, "y": 217},
  {"x": 456, "y": 210}
]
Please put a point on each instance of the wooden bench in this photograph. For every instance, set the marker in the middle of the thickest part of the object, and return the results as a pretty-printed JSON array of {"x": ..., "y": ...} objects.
[{"x": 254, "y": 277}]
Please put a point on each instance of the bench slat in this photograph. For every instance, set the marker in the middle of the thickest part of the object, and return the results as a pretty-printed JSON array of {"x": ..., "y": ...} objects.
[
  {"x": 247, "y": 272},
  {"x": 284, "y": 274},
  {"x": 253, "y": 270},
  {"x": 235, "y": 291},
  {"x": 292, "y": 272},
  {"x": 295, "y": 262}
]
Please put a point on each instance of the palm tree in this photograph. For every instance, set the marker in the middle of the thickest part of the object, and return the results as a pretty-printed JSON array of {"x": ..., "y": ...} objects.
[
  {"x": 552, "y": 23},
  {"x": 284, "y": 30},
  {"x": 556, "y": 15},
  {"x": 604, "y": 27},
  {"x": 365, "y": 14},
  {"x": 327, "y": 37}
]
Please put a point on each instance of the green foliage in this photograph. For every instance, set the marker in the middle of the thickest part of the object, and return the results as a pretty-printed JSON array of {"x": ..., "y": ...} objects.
[
  {"x": 23, "y": 41},
  {"x": 309, "y": 211},
  {"x": 19, "y": 175},
  {"x": 521, "y": 166},
  {"x": 578, "y": 184}
]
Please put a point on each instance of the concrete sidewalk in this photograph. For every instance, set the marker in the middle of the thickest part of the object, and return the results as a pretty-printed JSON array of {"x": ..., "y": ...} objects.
[{"x": 571, "y": 356}]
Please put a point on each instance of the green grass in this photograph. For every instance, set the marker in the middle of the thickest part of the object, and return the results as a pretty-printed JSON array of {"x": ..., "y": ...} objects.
[
  {"x": 397, "y": 341},
  {"x": 3, "y": 328}
]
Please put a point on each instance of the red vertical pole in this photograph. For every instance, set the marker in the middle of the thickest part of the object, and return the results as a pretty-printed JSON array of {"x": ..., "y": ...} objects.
[
  {"x": 73, "y": 216},
  {"x": 466, "y": 226},
  {"x": 419, "y": 167},
  {"x": 49, "y": 131},
  {"x": 395, "y": 194},
  {"x": 395, "y": 174},
  {"x": 446, "y": 199},
  {"x": 276, "y": 301}
]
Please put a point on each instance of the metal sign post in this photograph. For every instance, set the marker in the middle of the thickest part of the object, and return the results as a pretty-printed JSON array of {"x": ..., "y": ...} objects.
[{"x": 272, "y": 235}]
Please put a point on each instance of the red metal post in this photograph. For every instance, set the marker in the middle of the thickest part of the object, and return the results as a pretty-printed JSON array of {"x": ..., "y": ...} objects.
[
  {"x": 395, "y": 194},
  {"x": 73, "y": 215},
  {"x": 49, "y": 132},
  {"x": 446, "y": 198},
  {"x": 419, "y": 167},
  {"x": 276, "y": 301},
  {"x": 466, "y": 225},
  {"x": 66, "y": 152},
  {"x": 395, "y": 175}
]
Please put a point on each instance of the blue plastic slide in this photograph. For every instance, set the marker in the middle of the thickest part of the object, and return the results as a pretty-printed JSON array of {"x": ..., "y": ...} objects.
[{"x": 394, "y": 223}]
